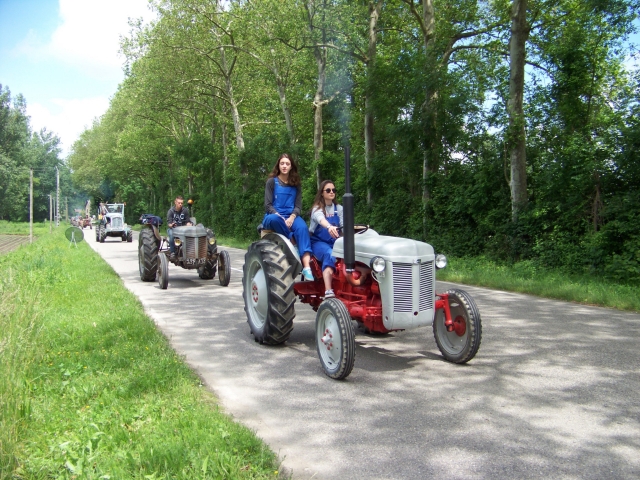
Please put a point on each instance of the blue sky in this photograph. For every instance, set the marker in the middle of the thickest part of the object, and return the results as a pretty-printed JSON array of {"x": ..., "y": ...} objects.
[{"x": 62, "y": 56}]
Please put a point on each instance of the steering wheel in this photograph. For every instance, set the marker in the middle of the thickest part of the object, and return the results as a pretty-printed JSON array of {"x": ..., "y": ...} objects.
[{"x": 359, "y": 229}]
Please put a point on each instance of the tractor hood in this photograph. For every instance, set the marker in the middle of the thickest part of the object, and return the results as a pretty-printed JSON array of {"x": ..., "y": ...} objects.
[
  {"x": 191, "y": 231},
  {"x": 394, "y": 249}
]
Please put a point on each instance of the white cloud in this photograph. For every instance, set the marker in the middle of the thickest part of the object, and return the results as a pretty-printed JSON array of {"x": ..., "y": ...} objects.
[
  {"x": 70, "y": 117},
  {"x": 90, "y": 31},
  {"x": 87, "y": 40}
]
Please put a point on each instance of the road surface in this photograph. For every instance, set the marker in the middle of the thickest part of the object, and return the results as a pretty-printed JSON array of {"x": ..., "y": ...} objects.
[{"x": 554, "y": 391}]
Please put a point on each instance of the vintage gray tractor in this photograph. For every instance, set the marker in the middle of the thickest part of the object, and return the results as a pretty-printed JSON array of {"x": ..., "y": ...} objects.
[
  {"x": 196, "y": 249},
  {"x": 112, "y": 224},
  {"x": 383, "y": 283}
]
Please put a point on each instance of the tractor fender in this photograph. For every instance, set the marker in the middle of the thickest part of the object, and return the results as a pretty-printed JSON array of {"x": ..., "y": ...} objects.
[{"x": 290, "y": 251}]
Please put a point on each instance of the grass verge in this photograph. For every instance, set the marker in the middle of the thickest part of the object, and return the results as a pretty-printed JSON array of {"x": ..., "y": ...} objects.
[
  {"x": 526, "y": 277},
  {"x": 89, "y": 388}
]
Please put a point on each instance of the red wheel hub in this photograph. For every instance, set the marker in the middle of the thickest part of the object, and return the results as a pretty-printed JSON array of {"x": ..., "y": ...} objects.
[{"x": 459, "y": 325}]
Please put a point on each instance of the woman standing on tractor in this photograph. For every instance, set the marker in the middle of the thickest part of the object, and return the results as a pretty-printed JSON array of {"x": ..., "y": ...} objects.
[
  {"x": 282, "y": 204},
  {"x": 326, "y": 219}
]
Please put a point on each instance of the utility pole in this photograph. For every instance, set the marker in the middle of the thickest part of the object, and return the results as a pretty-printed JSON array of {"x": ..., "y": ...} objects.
[
  {"x": 31, "y": 205},
  {"x": 50, "y": 213},
  {"x": 57, "y": 197}
]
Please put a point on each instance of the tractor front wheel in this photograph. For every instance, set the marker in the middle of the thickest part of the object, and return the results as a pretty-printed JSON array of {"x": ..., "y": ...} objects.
[
  {"x": 224, "y": 268},
  {"x": 463, "y": 341},
  {"x": 130, "y": 236},
  {"x": 208, "y": 270},
  {"x": 335, "y": 339},
  {"x": 103, "y": 233},
  {"x": 147, "y": 254},
  {"x": 163, "y": 272},
  {"x": 267, "y": 285}
]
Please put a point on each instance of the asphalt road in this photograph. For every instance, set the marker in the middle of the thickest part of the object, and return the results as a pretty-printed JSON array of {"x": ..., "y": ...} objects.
[{"x": 554, "y": 391}]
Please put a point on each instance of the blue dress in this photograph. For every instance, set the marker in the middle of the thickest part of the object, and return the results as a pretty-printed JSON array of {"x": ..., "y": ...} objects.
[
  {"x": 322, "y": 242},
  {"x": 284, "y": 200}
]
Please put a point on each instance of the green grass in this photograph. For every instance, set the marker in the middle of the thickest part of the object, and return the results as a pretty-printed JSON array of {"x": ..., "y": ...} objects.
[
  {"x": 22, "y": 228},
  {"x": 89, "y": 388},
  {"x": 527, "y": 277}
]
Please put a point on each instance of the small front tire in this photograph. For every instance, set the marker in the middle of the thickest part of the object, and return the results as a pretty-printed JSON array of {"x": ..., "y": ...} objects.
[
  {"x": 335, "y": 339},
  {"x": 224, "y": 268},
  {"x": 462, "y": 343},
  {"x": 163, "y": 272}
]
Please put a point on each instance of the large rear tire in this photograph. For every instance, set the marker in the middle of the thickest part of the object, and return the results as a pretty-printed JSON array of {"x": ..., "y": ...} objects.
[
  {"x": 335, "y": 339},
  {"x": 147, "y": 254},
  {"x": 224, "y": 268},
  {"x": 103, "y": 233},
  {"x": 267, "y": 285},
  {"x": 462, "y": 343},
  {"x": 163, "y": 271}
]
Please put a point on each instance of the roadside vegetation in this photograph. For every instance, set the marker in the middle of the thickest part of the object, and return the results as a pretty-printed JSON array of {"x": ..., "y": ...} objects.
[
  {"x": 527, "y": 277},
  {"x": 89, "y": 388},
  {"x": 22, "y": 228}
]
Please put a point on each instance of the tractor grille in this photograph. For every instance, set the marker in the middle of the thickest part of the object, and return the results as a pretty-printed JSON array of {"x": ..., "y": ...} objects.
[
  {"x": 116, "y": 222},
  {"x": 402, "y": 286},
  {"x": 202, "y": 247},
  {"x": 426, "y": 286},
  {"x": 402, "y": 298},
  {"x": 195, "y": 247}
]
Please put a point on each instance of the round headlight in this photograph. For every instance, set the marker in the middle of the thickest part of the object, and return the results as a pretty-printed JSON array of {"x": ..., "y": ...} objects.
[
  {"x": 212, "y": 240},
  {"x": 378, "y": 264},
  {"x": 441, "y": 261},
  {"x": 177, "y": 241}
]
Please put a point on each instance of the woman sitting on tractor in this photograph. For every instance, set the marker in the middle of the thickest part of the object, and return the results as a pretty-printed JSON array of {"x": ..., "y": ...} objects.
[
  {"x": 282, "y": 204},
  {"x": 326, "y": 219}
]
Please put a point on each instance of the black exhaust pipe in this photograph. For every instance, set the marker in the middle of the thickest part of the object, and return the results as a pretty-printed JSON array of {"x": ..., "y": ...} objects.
[{"x": 348, "y": 217}]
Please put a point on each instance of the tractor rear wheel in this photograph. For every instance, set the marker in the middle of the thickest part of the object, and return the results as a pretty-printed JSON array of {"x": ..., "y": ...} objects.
[
  {"x": 163, "y": 271},
  {"x": 103, "y": 233},
  {"x": 462, "y": 343},
  {"x": 147, "y": 254},
  {"x": 224, "y": 268},
  {"x": 130, "y": 236},
  {"x": 335, "y": 339},
  {"x": 267, "y": 285}
]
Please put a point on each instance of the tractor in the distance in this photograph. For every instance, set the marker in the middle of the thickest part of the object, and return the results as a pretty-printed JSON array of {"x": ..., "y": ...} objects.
[
  {"x": 383, "y": 283},
  {"x": 111, "y": 224},
  {"x": 196, "y": 249}
]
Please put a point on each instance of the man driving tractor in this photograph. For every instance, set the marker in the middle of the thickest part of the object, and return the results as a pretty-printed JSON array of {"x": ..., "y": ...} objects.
[{"x": 177, "y": 216}]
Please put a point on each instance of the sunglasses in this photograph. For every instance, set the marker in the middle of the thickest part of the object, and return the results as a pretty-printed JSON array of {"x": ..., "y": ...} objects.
[{"x": 330, "y": 190}]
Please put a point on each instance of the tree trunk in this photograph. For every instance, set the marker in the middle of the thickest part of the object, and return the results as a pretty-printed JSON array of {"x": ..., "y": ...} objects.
[
  {"x": 369, "y": 143},
  {"x": 318, "y": 102},
  {"x": 225, "y": 147},
  {"x": 235, "y": 115},
  {"x": 429, "y": 107},
  {"x": 285, "y": 108},
  {"x": 516, "y": 137}
]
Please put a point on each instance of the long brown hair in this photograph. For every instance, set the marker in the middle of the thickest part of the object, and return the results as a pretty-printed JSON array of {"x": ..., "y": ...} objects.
[
  {"x": 319, "y": 200},
  {"x": 294, "y": 178}
]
